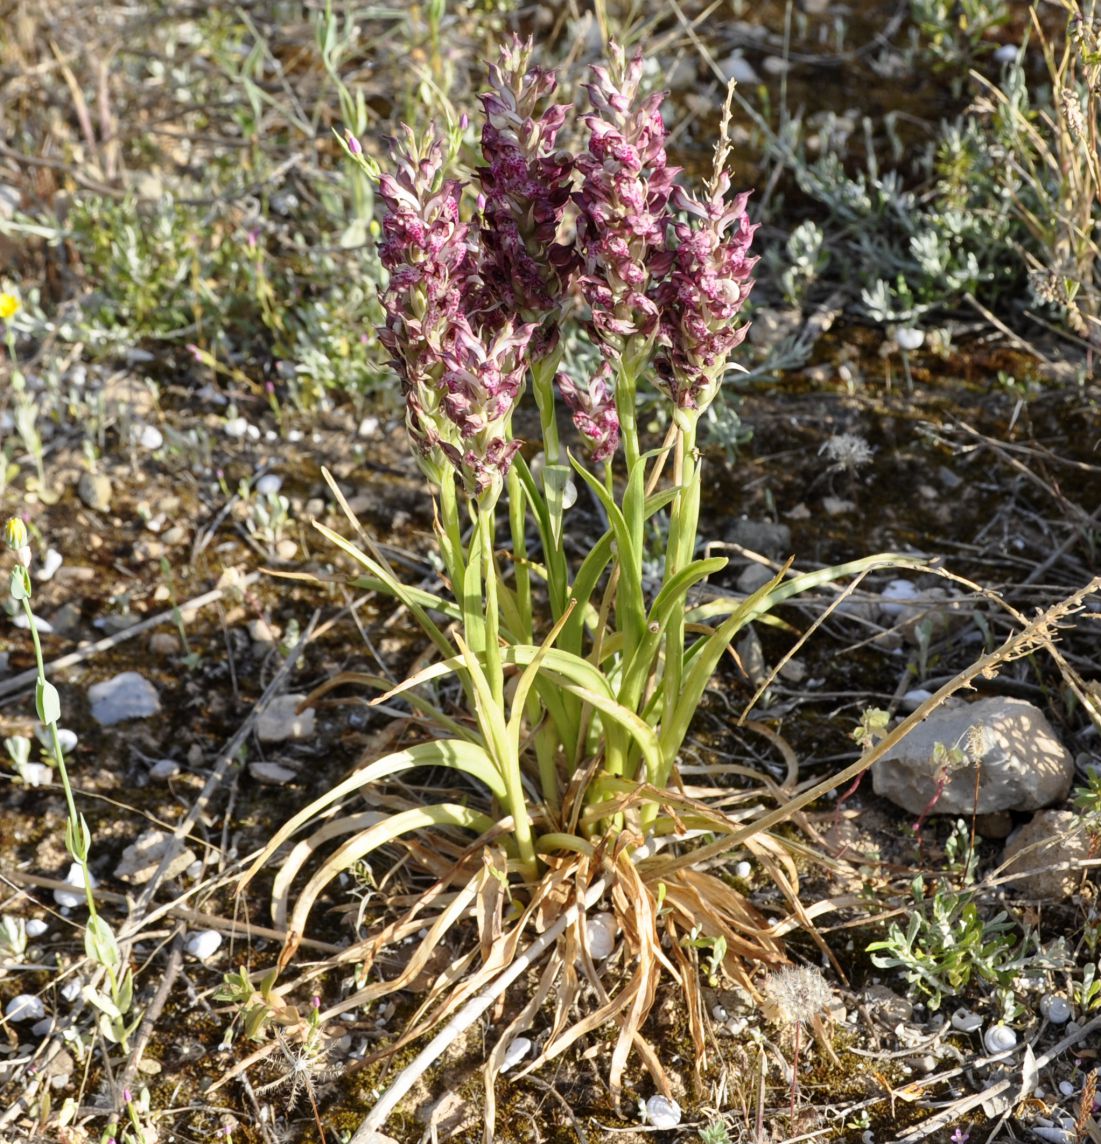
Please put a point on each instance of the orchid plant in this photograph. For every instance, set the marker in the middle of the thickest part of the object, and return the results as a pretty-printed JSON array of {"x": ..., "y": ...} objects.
[{"x": 580, "y": 683}]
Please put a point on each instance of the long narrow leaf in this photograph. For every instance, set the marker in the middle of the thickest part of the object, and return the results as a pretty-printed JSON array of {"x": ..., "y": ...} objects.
[
  {"x": 420, "y": 818},
  {"x": 470, "y": 758},
  {"x": 392, "y": 585},
  {"x": 630, "y": 556}
]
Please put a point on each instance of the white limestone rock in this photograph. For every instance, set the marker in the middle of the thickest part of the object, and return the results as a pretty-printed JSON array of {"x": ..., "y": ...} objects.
[{"x": 1021, "y": 764}]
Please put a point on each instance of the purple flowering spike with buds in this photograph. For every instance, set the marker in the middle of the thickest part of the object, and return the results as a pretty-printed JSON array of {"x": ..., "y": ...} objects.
[
  {"x": 594, "y": 411},
  {"x": 461, "y": 381},
  {"x": 622, "y": 204},
  {"x": 525, "y": 189},
  {"x": 709, "y": 282},
  {"x": 481, "y": 385}
]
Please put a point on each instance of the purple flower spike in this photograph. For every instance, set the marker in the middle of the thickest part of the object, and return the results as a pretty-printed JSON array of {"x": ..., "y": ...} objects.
[
  {"x": 623, "y": 204},
  {"x": 709, "y": 282},
  {"x": 526, "y": 187},
  {"x": 594, "y": 411}
]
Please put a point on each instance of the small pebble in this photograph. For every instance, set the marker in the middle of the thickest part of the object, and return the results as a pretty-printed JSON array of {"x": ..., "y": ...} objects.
[
  {"x": 25, "y": 1007},
  {"x": 1066, "y": 1088},
  {"x": 36, "y": 927},
  {"x": 909, "y": 339},
  {"x": 70, "y": 991},
  {"x": 43, "y": 627},
  {"x": 662, "y": 1112},
  {"x": 164, "y": 644},
  {"x": 914, "y": 698},
  {"x": 892, "y": 597},
  {"x": 94, "y": 489},
  {"x": 164, "y": 769},
  {"x": 518, "y": 1048},
  {"x": 280, "y": 720},
  {"x": 236, "y": 427},
  {"x": 148, "y": 437},
  {"x": 127, "y": 695},
  {"x": 70, "y": 899},
  {"x": 743, "y": 870},
  {"x": 1005, "y": 53},
  {"x": 51, "y": 562},
  {"x": 269, "y": 484},
  {"x": 203, "y": 944}
]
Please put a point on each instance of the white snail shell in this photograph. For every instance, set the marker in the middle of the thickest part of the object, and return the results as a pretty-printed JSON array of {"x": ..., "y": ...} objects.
[{"x": 999, "y": 1039}]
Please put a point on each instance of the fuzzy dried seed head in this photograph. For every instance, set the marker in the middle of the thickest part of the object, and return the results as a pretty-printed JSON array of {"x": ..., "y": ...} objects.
[
  {"x": 847, "y": 450},
  {"x": 796, "y": 995}
]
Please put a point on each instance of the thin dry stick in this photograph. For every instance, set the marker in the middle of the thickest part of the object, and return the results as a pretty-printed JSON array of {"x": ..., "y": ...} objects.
[
  {"x": 27, "y": 678},
  {"x": 231, "y": 927}
]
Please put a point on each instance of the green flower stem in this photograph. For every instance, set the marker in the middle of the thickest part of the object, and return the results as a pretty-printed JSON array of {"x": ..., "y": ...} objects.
[
  {"x": 542, "y": 384},
  {"x": 517, "y": 522},
  {"x": 451, "y": 539},
  {"x": 79, "y": 854},
  {"x": 492, "y": 649},
  {"x": 77, "y": 835},
  {"x": 684, "y": 516},
  {"x": 626, "y": 400}
]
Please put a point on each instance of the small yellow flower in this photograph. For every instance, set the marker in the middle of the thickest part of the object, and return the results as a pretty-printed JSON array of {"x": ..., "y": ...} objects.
[
  {"x": 15, "y": 534},
  {"x": 9, "y": 306}
]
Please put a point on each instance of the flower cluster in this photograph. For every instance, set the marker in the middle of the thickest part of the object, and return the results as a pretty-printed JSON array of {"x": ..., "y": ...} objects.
[
  {"x": 461, "y": 381},
  {"x": 468, "y": 306},
  {"x": 526, "y": 186},
  {"x": 707, "y": 285},
  {"x": 594, "y": 411},
  {"x": 623, "y": 204}
]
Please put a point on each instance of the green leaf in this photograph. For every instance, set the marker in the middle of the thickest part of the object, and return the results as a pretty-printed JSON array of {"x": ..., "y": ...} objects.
[
  {"x": 100, "y": 944},
  {"x": 630, "y": 557},
  {"x": 20, "y": 583},
  {"x": 47, "y": 701},
  {"x": 671, "y": 597},
  {"x": 588, "y": 576},
  {"x": 390, "y": 584}
]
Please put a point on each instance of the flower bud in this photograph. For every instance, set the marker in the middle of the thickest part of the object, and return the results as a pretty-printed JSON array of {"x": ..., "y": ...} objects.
[{"x": 15, "y": 534}]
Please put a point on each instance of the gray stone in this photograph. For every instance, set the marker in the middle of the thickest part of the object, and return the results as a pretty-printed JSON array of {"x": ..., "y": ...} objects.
[
  {"x": 1021, "y": 764},
  {"x": 124, "y": 696},
  {"x": 763, "y": 536},
  {"x": 280, "y": 720},
  {"x": 1051, "y": 838},
  {"x": 753, "y": 576},
  {"x": 94, "y": 489}
]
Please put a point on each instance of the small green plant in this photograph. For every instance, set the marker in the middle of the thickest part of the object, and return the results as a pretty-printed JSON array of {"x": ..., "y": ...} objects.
[
  {"x": 1052, "y": 180},
  {"x": 577, "y": 674},
  {"x": 113, "y": 1003},
  {"x": 715, "y": 1133},
  {"x": 947, "y": 943},
  {"x": 955, "y": 33}
]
